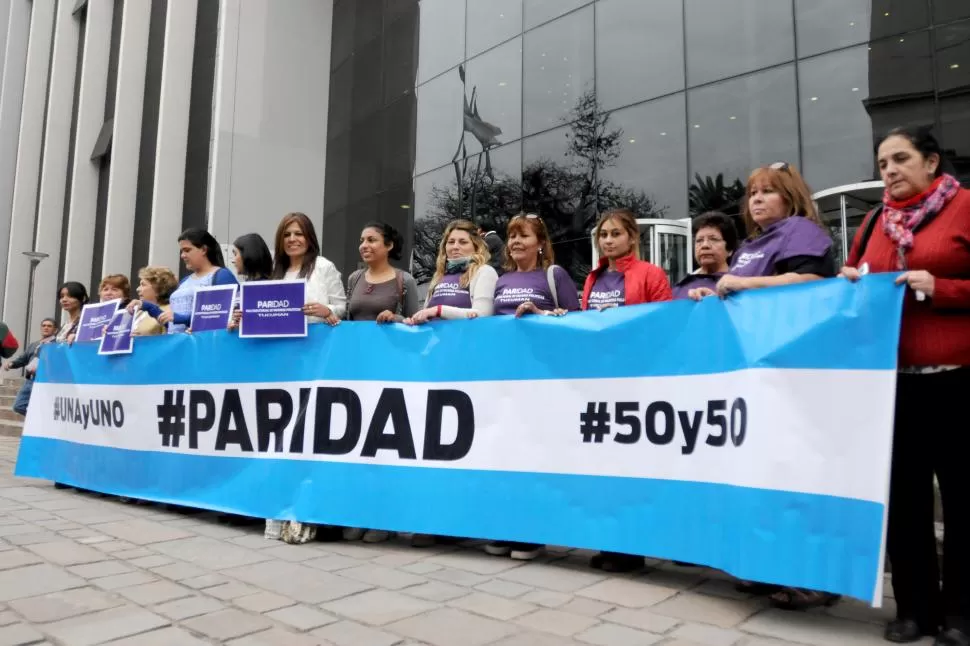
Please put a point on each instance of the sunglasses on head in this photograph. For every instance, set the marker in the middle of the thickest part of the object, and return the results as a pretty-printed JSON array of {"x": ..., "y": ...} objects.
[{"x": 780, "y": 166}]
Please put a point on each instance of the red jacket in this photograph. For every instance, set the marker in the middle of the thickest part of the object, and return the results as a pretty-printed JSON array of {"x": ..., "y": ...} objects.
[
  {"x": 935, "y": 332},
  {"x": 643, "y": 282}
]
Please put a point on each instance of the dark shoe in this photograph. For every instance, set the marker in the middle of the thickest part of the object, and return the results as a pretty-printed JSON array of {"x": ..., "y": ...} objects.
[
  {"x": 756, "y": 588},
  {"x": 616, "y": 562},
  {"x": 905, "y": 631},
  {"x": 61, "y": 485},
  {"x": 801, "y": 599},
  {"x": 952, "y": 637}
]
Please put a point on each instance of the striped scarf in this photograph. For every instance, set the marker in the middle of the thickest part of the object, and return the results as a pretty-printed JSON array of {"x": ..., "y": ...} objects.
[{"x": 900, "y": 219}]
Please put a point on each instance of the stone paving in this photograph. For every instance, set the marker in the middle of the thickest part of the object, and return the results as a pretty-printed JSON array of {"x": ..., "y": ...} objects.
[{"x": 79, "y": 569}]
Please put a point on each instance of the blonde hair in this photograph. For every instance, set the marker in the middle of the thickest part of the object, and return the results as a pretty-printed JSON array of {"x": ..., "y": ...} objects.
[
  {"x": 627, "y": 220},
  {"x": 531, "y": 222},
  {"x": 790, "y": 184},
  {"x": 479, "y": 257},
  {"x": 162, "y": 280}
]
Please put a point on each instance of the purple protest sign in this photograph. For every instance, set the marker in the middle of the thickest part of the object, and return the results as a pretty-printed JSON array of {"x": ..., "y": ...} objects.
[
  {"x": 94, "y": 318},
  {"x": 117, "y": 340},
  {"x": 273, "y": 308},
  {"x": 212, "y": 308}
]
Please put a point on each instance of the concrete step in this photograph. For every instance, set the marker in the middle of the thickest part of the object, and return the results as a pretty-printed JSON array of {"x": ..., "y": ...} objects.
[
  {"x": 10, "y": 416},
  {"x": 6, "y": 401},
  {"x": 11, "y": 428}
]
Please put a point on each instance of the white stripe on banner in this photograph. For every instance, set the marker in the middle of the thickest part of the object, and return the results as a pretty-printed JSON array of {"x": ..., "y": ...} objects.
[{"x": 751, "y": 434}]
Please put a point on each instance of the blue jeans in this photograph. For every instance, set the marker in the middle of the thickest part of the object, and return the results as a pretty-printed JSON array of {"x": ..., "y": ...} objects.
[{"x": 23, "y": 397}]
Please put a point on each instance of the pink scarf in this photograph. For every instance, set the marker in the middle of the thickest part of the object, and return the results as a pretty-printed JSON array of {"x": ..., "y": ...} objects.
[{"x": 901, "y": 218}]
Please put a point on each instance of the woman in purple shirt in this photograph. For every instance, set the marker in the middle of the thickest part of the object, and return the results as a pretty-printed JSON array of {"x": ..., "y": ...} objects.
[{"x": 715, "y": 240}]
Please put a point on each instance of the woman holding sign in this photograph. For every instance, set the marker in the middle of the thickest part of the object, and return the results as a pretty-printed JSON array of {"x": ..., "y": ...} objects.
[
  {"x": 923, "y": 231},
  {"x": 155, "y": 286},
  {"x": 463, "y": 285},
  {"x": 298, "y": 257}
]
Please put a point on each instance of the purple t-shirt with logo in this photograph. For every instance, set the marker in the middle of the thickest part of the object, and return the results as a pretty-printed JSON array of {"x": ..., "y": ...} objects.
[
  {"x": 791, "y": 237},
  {"x": 694, "y": 281},
  {"x": 608, "y": 289},
  {"x": 516, "y": 287},
  {"x": 449, "y": 292}
]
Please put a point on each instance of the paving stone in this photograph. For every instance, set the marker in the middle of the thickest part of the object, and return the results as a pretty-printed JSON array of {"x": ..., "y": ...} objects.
[
  {"x": 641, "y": 619},
  {"x": 298, "y": 581},
  {"x": 17, "y": 558},
  {"x": 815, "y": 629},
  {"x": 98, "y": 627},
  {"x": 113, "y": 547},
  {"x": 205, "y": 581},
  {"x": 588, "y": 607},
  {"x": 209, "y": 553},
  {"x": 19, "y": 634},
  {"x": 32, "y": 580},
  {"x": 349, "y": 633},
  {"x": 479, "y": 563},
  {"x": 188, "y": 607},
  {"x": 616, "y": 635},
  {"x": 547, "y": 598},
  {"x": 492, "y": 606},
  {"x": 437, "y": 591},
  {"x": 382, "y": 577},
  {"x": 178, "y": 571},
  {"x": 421, "y": 567},
  {"x": 378, "y": 607},
  {"x": 551, "y": 577},
  {"x": 718, "y": 611},
  {"x": 332, "y": 562},
  {"x": 33, "y": 538},
  {"x": 707, "y": 635},
  {"x": 7, "y": 617},
  {"x": 400, "y": 559},
  {"x": 292, "y": 553},
  {"x": 254, "y": 542},
  {"x": 148, "y": 594},
  {"x": 451, "y": 627},
  {"x": 556, "y": 622},
  {"x": 301, "y": 617},
  {"x": 136, "y": 553},
  {"x": 502, "y": 588},
  {"x": 279, "y": 637},
  {"x": 263, "y": 602},
  {"x": 226, "y": 624},
  {"x": 21, "y": 528},
  {"x": 62, "y": 605},
  {"x": 726, "y": 588},
  {"x": 458, "y": 577},
  {"x": 153, "y": 561},
  {"x": 629, "y": 593},
  {"x": 103, "y": 568},
  {"x": 231, "y": 590},
  {"x": 67, "y": 553},
  {"x": 123, "y": 580},
  {"x": 141, "y": 532},
  {"x": 171, "y": 636},
  {"x": 535, "y": 639}
]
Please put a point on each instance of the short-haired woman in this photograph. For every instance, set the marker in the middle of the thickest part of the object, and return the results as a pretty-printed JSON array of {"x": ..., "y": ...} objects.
[
  {"x": 923, "y": 230},
  {"x": 463, "y": 285},
  {"x": 155, "y": 286},
  {"x": 715, "y": 241},
  {"x": 297, "y": 257}
]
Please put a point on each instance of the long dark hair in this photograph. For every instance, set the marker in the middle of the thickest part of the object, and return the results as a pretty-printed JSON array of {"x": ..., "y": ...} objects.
[
  {"x": 391, "y": 237},
  {"x": 281, "y": 262},
  {"x": 75, "y": 290},
  {"x": 201, "y": 238},
  {"x": 925, "y": 143},
  {"x": 256, "y": 260}
]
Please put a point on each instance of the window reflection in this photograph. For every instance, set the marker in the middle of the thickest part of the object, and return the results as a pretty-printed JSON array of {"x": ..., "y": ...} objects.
[
  {"x": 491, "y": 22},
  {"x": 947, "y": 10},
  {"x": 558, "y": 68},
  {"x": 836, "y": 129},
  {"x": 901, "y": 82},
  {"x": 441, "y": 37},
  {"x": 630, "y": 32},
  {"x": 653, "y": 154},
  {"x": 729, "y": 38},
  {"x": 737, "y": 125},
  {"x": 495, "y": 77},
  {"x": 953, "y": 57},
  {"x": 540, "y": 11},
  {"x": 824, "y": 25},
  {"x": 955, "y": 114},
  {"x": 439, "y": 130}
]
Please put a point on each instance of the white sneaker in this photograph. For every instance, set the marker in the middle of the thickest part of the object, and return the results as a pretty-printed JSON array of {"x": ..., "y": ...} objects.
[
  {"x": 525, "y": 551},
  {"x": 353, "y": 533},
  {"x": 498, "y": 548},
  {"x": 376, "y": 536}
]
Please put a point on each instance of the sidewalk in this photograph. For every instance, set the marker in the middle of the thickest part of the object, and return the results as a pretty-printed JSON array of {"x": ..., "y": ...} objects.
[{"x": 78, "y": 569}]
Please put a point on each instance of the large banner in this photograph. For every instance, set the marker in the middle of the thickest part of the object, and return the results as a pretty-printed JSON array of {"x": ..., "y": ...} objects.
[{"x": 751, "y": 434}]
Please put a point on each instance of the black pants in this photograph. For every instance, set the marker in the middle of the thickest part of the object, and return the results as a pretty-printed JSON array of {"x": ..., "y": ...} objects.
[{"x": 931, "y": 436}]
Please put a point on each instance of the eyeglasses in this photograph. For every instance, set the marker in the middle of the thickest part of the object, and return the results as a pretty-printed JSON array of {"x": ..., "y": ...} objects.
[{"x": 780, "y": 166}]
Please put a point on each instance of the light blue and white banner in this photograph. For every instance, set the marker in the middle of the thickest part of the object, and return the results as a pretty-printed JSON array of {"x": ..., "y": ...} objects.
[{"x": 751, "y": 434}]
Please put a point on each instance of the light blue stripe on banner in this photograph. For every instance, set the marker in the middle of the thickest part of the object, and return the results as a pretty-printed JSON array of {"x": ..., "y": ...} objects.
[
  {"x": 828, "y": 324},
  {"x": 812, "y": 541}
]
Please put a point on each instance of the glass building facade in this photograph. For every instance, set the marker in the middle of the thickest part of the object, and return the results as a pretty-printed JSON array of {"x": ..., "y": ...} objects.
[{"x": 568, "y": 107}]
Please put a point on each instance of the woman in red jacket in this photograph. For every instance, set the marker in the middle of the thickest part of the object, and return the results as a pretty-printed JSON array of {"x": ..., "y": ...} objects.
[
  {"x": 923, "y": 231},
  {"x": 621, "y": 278}
]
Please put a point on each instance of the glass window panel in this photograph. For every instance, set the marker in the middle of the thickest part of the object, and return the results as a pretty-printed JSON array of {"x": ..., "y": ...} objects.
[
  {"x": 836, "y": 128},
  {"x": 492, "y": 187},
  {"x": 901, "y": 82},
  {"x": 491, "y": 22},
  {"x": 953, "y": 57},
  {"x": 955, "y": 137},
  {"x": 947, "y": 10},
  {"x": 441, "y": 37},
  {"x": 738, "y": 125},
  {"x": 652, "y": 159},
  {"x": 824, "y": 25},
  {"x": 439, "y": 131},
  {"x": 540, "y": 11},
  {"x": 558, "y": 69},
  {"x": 629, "y": 33},
  {"x": 729, "y": 38},
  {"x": 400, "y": 43},
  {"x": 496, "y": 79}
]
